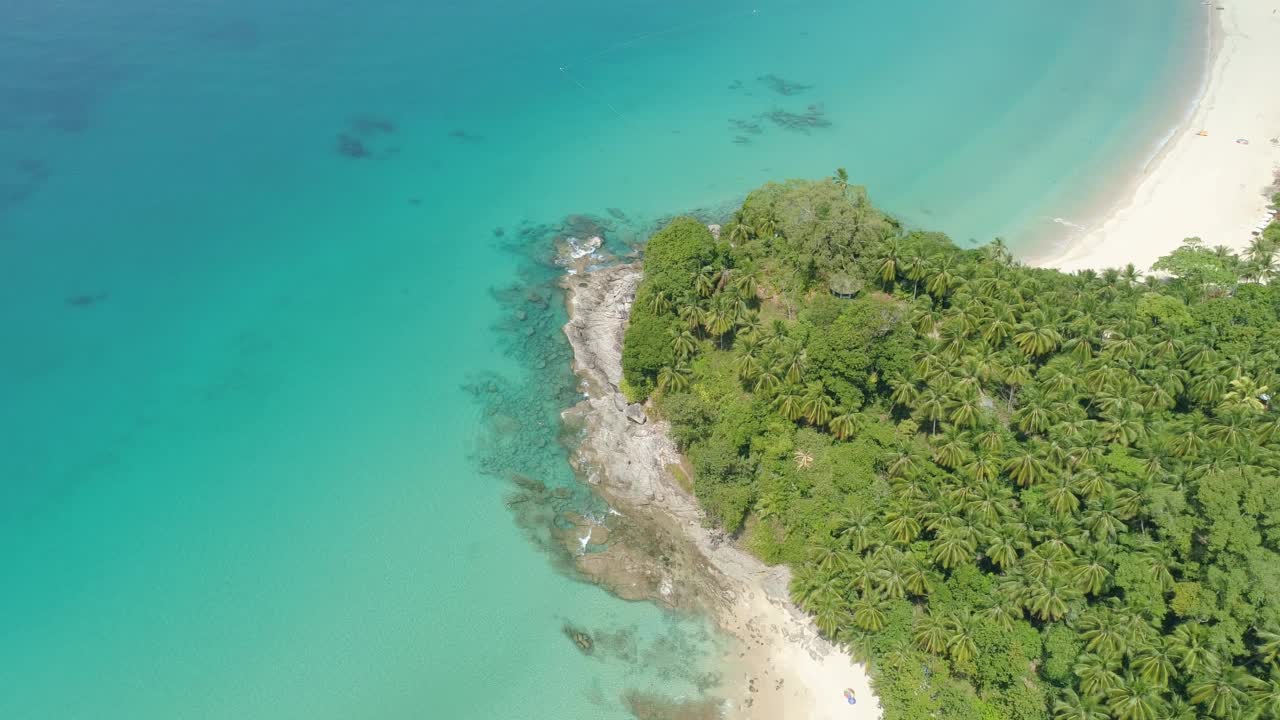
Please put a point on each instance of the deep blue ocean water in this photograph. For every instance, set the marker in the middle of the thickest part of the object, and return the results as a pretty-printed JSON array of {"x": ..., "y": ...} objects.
[{"x": 267, "y": 365}]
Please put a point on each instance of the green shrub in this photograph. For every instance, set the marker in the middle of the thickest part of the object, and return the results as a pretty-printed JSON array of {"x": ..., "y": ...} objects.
[
  {"x": 646, "y": 350},
  {"x": 675, "y": 253}
]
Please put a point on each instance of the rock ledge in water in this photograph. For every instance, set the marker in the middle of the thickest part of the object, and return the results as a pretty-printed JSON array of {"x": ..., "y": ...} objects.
[{"x": 580, "y": 638}]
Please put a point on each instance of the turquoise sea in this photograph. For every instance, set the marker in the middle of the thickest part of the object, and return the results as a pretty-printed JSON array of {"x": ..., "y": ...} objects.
[{"x": 276, "y": 327}]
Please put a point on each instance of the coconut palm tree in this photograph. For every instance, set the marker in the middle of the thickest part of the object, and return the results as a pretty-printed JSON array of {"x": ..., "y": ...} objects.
[
  {"x": 919, "y": 577},
  {"x": 1097, "y": 675},
  {"x": 829, "y": 557},
  {"x": 1268, "y": 648},
  {"x": 790, "y": 403},
  {"x": 1124, "y": 427},
  {"x": 891, "y": 262},
  {"x": 998, "y": 251},
  {"x": 1049, "y": 599},
  {"x": 965, "y": 410},
  {"x": 659, "y": 303},
  {"x": 844, "y": 424},
  {"x": 818, "y": 406},
  {"x": 767, "y": 381},
  {"x": 950, "y": 451},
  {"x": 706, "y": 280},
  {"x": 691, "y": 315},
  {"x": 1002, "y": 550},
  {"x": 841, "y": 179},
  {"x": 858, "y": 529},
  {"x": 719, "y": 318},
  {"x": 795, "y": 366},
  {"x": 1266, "y": 694},
  {"x": 683, "y": 343},
  {"x": 1246, "y": 394},
  {"x": 1134, "y": 699},
  {"x": 1102, "y": 634},
  {"x": 1131, "y": 275},
  {"x": 1035, "y": 416},
  {"x": 1259, "y": 248},
  {"x": 931, "y": 633},
  {"x": 767, "y": 226},
  {"x": 1223, "y": 693},
  {"x": 1154, "y": 664},
  {"x": 951, "y": 548},
  {"x": 741, "y": 232},
  {"x": 829, "y": 615},
  {"x": 869, "y": 612},
  {"x": 960, "y": 643},
  {"x": 674, "y": 379},
  {"x": 1190, "y": 648},
  {"x": 749, "y": 323},
  {"x": 944, "y": 278},
  {"x": 747, "y": 367},
  {"x": 902, "y": 525},
  {"x": 1061, "y": 496},
  {"x": 1036, "y": 340},
  {"x": 1026, "y": 468},
  {"x": 916, "y": 267},
  {"x": 1092, "y": 573},
  {"x": 1080, "y": 707}
]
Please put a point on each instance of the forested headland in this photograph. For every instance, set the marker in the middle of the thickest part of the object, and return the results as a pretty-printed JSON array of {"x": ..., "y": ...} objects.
[{"x": 1017, "y": 493}]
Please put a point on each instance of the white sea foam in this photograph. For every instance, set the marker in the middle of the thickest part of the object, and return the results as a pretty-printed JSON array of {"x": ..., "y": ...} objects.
[{"x": 582, "y": 248}]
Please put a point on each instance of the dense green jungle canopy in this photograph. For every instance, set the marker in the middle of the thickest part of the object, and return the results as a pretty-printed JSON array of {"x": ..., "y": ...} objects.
[{"x": 1018, "y": 493}]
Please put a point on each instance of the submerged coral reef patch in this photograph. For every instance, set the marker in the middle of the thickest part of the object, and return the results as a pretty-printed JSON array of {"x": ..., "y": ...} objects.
[
  {"x": 364, "y": 135},
  {"x": 352, "y": 147},
  {"x": 62, "y": 94},
  {"x": 84, "y": 300},
  {"x": 812, "y": 118},
  {"x": 526, "y": 443},
  {"x": 645, "y": 706},
  {"x": 20, "y": 179},
  {"x": 463, "y": 136},
  {"x": 782, "y": 86},
  {"x": 744, "y": 130},
  {"x": 367, "y": 125}
]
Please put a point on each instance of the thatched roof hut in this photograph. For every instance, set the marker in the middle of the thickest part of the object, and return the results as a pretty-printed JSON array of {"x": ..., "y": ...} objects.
[{"x": 844, "y": 286}]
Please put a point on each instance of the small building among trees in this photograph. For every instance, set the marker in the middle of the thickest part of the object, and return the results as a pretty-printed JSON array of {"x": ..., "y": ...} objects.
[{"x": 844, "y": 286}]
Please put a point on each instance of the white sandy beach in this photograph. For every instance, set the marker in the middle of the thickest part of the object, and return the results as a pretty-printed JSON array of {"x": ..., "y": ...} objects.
[{"x": 1206, "y": 185}]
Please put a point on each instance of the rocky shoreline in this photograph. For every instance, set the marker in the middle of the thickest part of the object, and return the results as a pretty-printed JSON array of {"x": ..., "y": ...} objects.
[{"x": 660, "y": 549}]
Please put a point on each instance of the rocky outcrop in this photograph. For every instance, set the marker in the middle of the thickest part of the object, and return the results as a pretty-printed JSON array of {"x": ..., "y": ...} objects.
[
  {"x": 630, "y": 463},
  {"x": 635, "y": 413},
  {"x": 658, "y": 545}
]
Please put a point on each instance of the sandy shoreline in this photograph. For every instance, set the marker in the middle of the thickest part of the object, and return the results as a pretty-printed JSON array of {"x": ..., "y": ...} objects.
[
  {"x": 783, "y": 668},
  {"x": 1210, "y": 185}
]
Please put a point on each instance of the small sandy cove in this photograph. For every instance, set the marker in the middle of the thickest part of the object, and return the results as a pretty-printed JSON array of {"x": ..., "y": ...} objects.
[
  {"x": 781, "y": 669},
  {"x": 1205, "y": 182}
]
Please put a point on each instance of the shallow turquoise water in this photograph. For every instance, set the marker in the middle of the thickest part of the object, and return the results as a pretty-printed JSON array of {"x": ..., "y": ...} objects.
[{"x": 243, "y": 474}]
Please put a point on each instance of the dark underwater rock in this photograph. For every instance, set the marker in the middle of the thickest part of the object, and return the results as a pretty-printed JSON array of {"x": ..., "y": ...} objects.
[
  {"x": 581, "y": 638},
  {"x": 84, "y": 300},
  {"x": 367, "y": 124},
  {"x": 352, "y": 147},
  {"x": 783, "y": 86}
]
